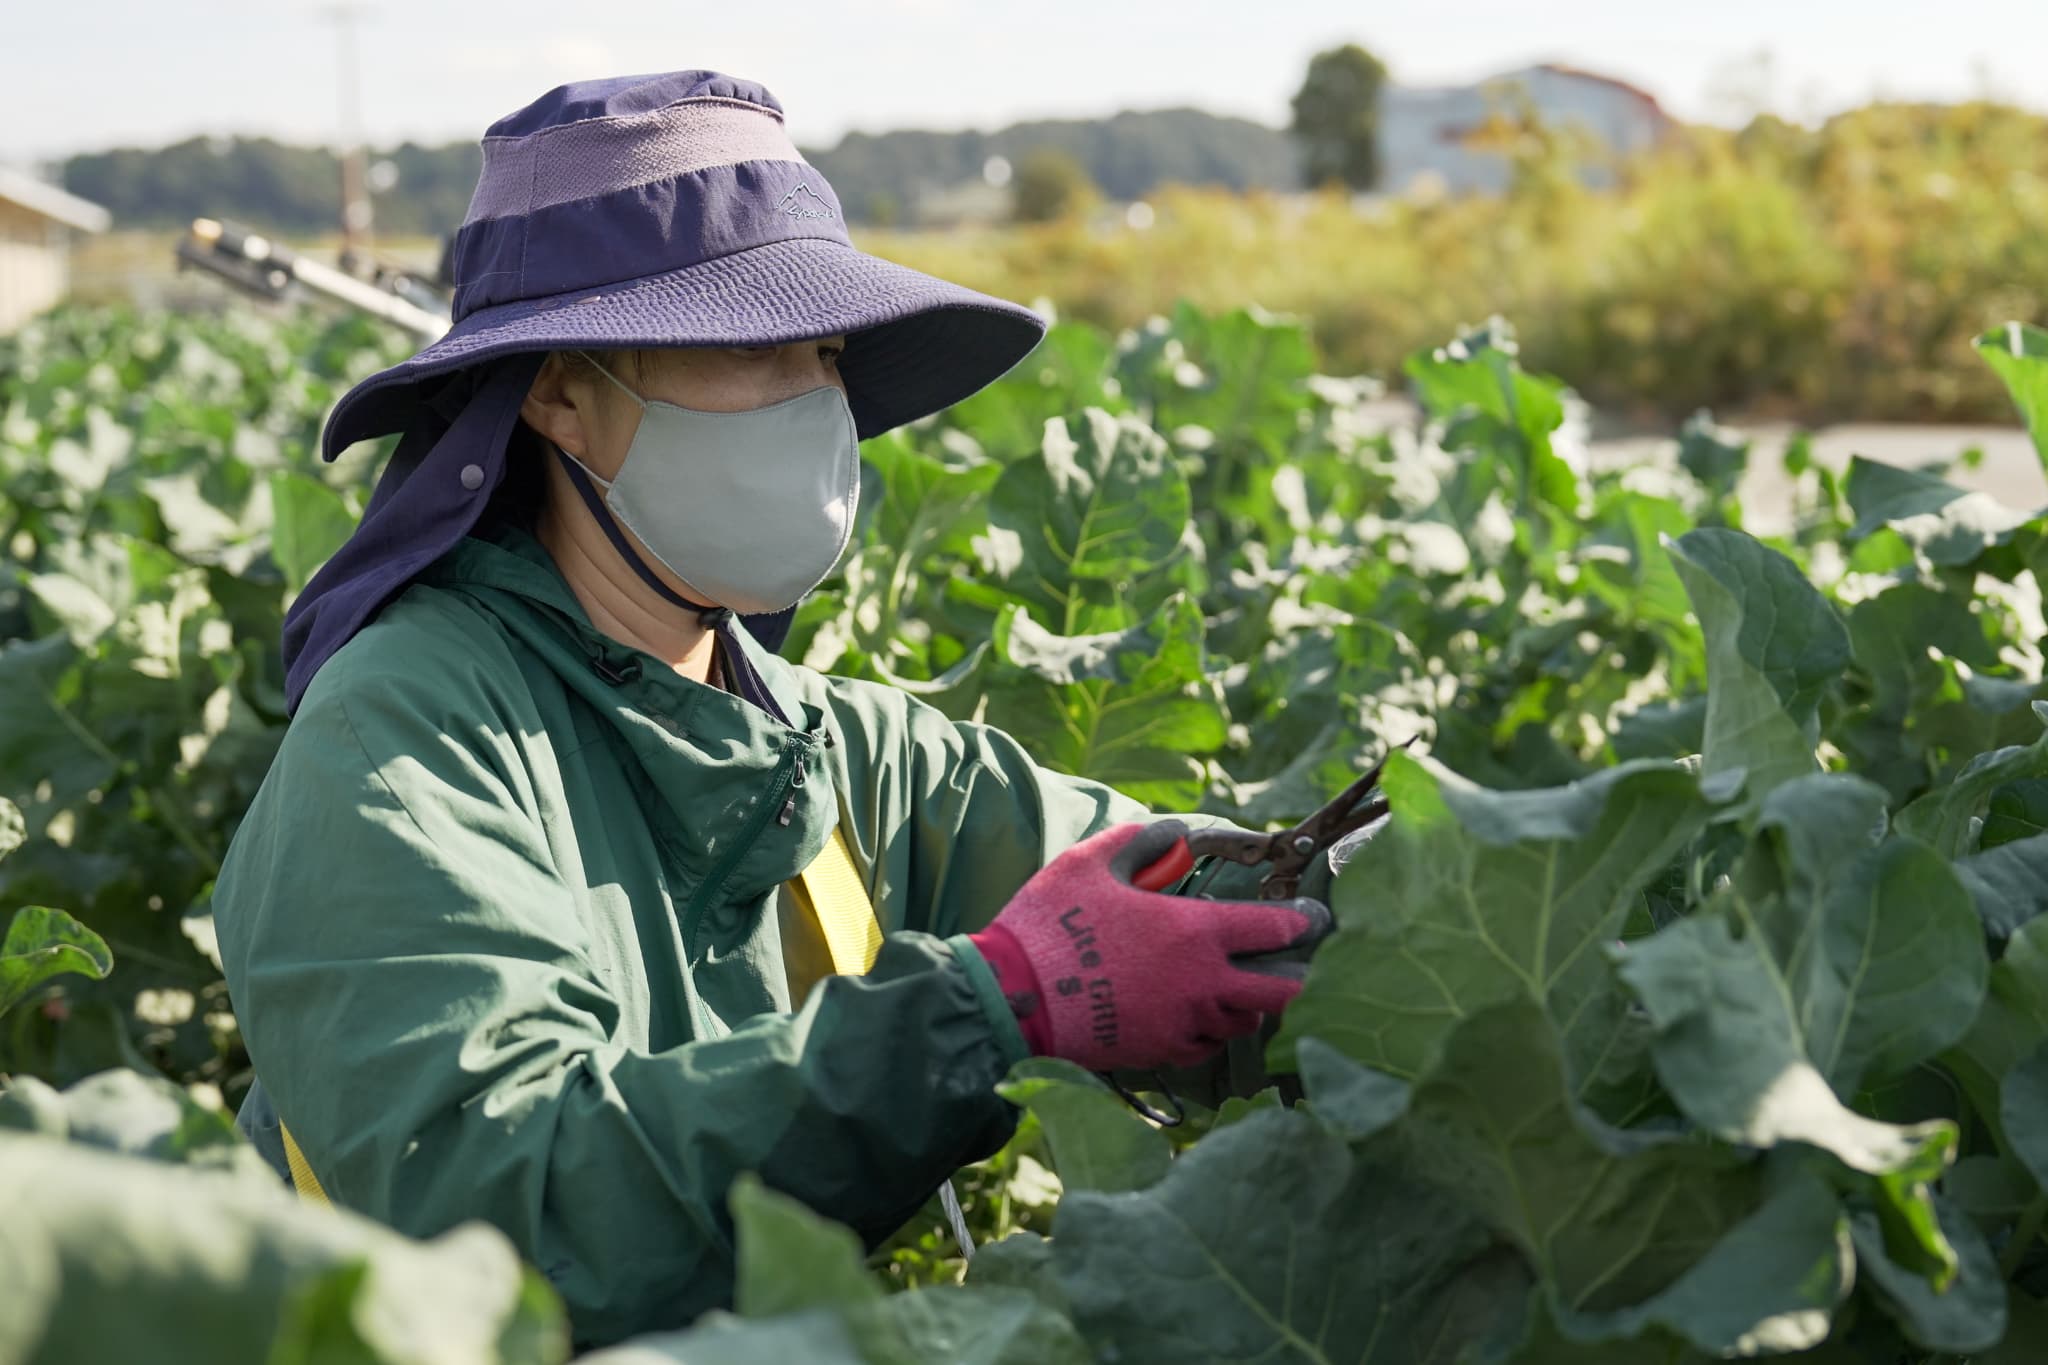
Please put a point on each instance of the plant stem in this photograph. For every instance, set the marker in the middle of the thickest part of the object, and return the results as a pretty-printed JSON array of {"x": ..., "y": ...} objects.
[
  {"x": 159, "y": 799},
  {"x": 83, "y": 735},
  {"x": 174, "y": 820},
  {"x": 2023, "y": 1235}
]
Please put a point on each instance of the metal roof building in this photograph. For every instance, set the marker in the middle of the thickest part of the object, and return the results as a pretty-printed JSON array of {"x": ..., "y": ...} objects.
[{"x": 37, "y": 223}]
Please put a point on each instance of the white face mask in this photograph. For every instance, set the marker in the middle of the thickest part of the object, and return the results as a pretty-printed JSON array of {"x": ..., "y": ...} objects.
[{"x": 751, "y": 509}]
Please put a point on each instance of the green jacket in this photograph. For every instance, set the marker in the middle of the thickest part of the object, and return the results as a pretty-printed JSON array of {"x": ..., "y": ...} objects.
[{"x": 502, "y": 933}]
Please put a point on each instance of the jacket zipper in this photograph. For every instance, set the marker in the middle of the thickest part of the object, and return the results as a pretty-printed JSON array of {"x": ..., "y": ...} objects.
[{"x": 788, "y": 777}]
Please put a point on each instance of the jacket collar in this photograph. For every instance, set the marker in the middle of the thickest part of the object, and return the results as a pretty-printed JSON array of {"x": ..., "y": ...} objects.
[{"x": 508, "y": 558}]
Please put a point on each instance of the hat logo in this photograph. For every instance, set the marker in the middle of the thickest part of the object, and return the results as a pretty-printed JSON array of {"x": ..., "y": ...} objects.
[{"x": 802, "y": 203}]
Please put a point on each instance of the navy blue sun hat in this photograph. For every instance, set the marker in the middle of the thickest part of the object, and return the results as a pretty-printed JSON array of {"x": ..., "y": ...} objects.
[
  {"x": 674, "y": 210},
  {"x": 633, "y": 212}
]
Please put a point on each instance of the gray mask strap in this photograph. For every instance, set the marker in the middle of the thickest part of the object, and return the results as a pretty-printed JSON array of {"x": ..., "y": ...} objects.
[
  {"x": 615, "y": 379},
  {"x": 745, "y": 681}
]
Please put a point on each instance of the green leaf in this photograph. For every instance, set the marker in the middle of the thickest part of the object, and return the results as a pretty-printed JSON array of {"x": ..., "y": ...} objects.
[
  {"x": 1023, "y": 1260},
  {"x": 1470, "y": 897},
  {"x": 791, "y": 1259},
  {"x": 83, "y": 614},
  {"x": 1948, "y": 524},
  {"x": 1715, "y": 455},
  {"x": 134, "y": 1114},
  {"x": 1947, "y": 816},
  {"x": 42, "y": 943},
  {"x": 1066, "y": 371},
  {"x": 1096, "y": 1141},
  {"x": 108, "y": 1257},
  {"x": 310, "y": 523},
  {"x": 2017, "y": 810},
  {"x": 1773, "y": 645},
  {"x": 2026, "y": 1334},
  {"x": 1238, "y": 1108},
  {"x": 1769, "y": 1287},
  {"x": 1662, "y": 730},
  {"x": 967, "y": 1325},
  {"x": 1240, "y": 376},
  {"x": 38, "y": 733},
  {"x": 1731, "y": 1051},
  {"x": 1356, "y": 1101},
  {"x": 1606, "y": 1217},
  {"x": 2012, "y": 1021},
  {"x": 1891, "y": 634},
  {"x": 1966, "y": 1316},
  {"x": 1131, "y": 708},
  {"x": 1991, "y": 1189},
  {"x": 2009, "y": 884},
  {"x": 1497, "y": 408},
  {"x": 1878, "y": 944},
  {"x": 13, "y": 830},
  {"x": 1102, "y": 503},
  {"x": 2018, "y": 351},
  {"x": 2023, "y": 1110},
  {"x": 319, "y": 1321},
  {"x": 1268, "y": 1241},
  {"x": 201, "y": 530}
]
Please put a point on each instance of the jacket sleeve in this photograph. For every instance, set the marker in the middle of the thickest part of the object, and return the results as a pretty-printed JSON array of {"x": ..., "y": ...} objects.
[
  {"x": 415, "y": 986},
  {"x": 955, "y": 816},
  {"x": 996, "y": 817}
]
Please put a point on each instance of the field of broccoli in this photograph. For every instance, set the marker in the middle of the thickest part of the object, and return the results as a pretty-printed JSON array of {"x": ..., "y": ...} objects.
[{"x": 1692, "y": 1004}]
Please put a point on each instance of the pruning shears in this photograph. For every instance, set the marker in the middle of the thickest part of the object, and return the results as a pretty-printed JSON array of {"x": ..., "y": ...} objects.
[{"x": 1287, "y": 853}]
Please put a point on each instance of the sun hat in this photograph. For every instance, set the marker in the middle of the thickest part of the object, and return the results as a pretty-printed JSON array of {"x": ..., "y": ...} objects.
[
  {"x": 675, "y": 210},
  {"x": 636, "y": 211}
]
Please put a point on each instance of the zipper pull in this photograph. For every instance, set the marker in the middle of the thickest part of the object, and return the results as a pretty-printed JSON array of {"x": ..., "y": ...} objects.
[
  {"x": 789, "y": 806},
  {"x": 615, "y": 674}
]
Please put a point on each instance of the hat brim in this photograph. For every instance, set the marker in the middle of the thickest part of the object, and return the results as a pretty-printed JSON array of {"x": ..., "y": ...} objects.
[{"x": 916, "y": 344}]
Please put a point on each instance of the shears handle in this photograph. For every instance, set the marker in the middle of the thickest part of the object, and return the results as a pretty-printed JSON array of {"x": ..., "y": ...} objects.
[
  {"x": 1233, "y": 845},
  {"x": 1166, "y": 869}
]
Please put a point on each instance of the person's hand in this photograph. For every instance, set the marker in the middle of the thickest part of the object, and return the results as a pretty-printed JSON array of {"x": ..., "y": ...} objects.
[{"x": 1109, "y": 976}]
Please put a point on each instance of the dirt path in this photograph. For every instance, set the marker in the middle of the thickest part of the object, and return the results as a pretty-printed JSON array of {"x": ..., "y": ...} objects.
[{"x": 2011, "y": 471}]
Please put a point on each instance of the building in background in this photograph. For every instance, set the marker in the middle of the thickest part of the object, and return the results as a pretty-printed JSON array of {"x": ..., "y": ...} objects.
[
  {"x": 37, "y": 224},
  {"x": 1429, "y": 139}
]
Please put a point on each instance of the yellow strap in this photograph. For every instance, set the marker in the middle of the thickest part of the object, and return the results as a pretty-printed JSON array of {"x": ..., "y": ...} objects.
[
  {"x": 830, "y": 891},
  {"x": 303, "y": 1178}
]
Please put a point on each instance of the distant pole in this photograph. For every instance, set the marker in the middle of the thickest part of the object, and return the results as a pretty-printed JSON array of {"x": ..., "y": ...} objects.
[{"x": 356, "y": 213}]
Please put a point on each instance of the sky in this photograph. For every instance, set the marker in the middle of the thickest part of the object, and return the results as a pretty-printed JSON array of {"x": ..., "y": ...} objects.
[{"x": 93, "y": 74}]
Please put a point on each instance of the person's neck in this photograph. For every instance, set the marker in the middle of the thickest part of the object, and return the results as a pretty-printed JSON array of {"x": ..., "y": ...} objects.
[{"x": 616, "y": 600}]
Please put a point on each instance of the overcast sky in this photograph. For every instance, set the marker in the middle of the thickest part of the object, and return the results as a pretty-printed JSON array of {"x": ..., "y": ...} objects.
[{"x": 97, "y": 73}]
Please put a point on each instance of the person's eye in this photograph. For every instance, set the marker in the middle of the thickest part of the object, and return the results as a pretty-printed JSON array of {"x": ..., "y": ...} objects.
[{"x": 832, "y": 353}]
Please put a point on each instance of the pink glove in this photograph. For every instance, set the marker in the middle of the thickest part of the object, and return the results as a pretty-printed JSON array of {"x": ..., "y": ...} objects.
[{"x": 1137, "y": 978}]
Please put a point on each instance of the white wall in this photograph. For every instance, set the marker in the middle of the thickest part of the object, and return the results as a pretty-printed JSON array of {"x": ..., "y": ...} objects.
[
  {"x": 34, "y": 265},
  {"x": 1422, "y": 131}
]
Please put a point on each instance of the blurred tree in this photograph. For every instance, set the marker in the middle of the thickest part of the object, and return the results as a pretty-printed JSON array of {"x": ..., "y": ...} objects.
[
  {"x": 1049, "y": 184},
  {"x": 1337, "y": 118},
  {"x": 883, "y": 209},
  {"x": 1546, "y": 160},
  {"x": 1768, "y": 140},
  {"x": 271, "y": 185},
  {"x": 1127, "y": 155}
]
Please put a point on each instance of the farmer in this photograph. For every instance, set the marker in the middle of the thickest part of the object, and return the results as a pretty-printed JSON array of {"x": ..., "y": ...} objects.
[{"x": 567, "y": 900}]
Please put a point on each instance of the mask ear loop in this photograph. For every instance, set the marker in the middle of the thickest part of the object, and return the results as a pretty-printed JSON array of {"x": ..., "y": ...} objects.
[
  {"x": 614, "y": 378},
  {"x": 746, "y": 680}
]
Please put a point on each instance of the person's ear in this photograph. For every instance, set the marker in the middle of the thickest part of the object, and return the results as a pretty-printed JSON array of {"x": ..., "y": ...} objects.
[{"x": 559, "y": 408}]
